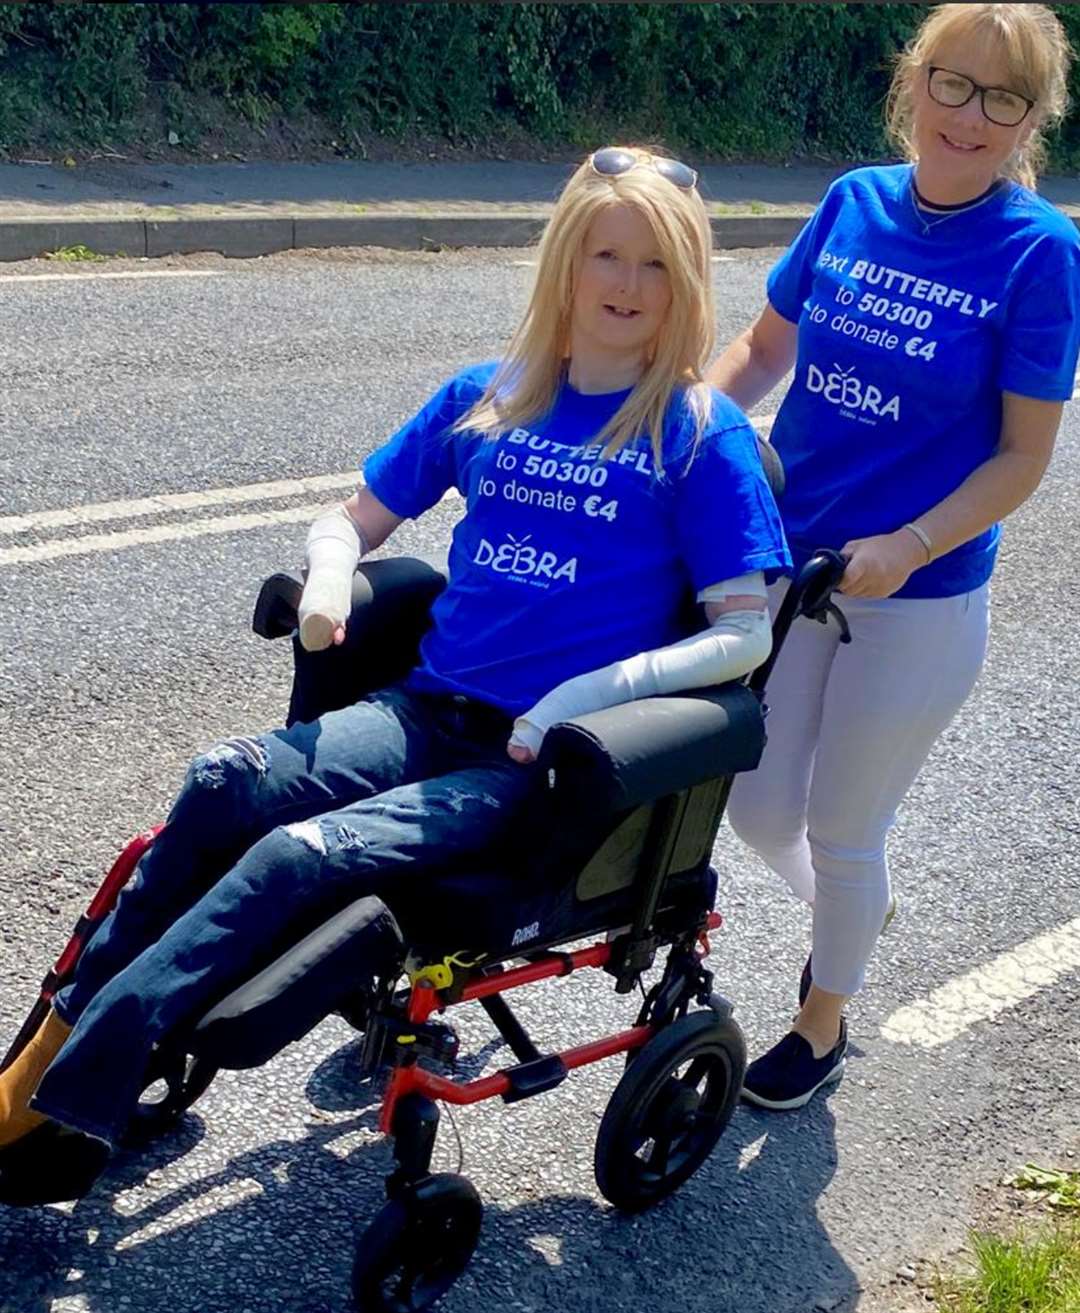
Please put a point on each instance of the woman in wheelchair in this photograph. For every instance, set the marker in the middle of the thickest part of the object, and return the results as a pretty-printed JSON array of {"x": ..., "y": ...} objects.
[{"x": 603, "y": 482}]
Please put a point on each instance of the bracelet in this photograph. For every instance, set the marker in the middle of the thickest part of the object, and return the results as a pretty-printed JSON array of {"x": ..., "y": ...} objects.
[{"x": 924, "y": 538}]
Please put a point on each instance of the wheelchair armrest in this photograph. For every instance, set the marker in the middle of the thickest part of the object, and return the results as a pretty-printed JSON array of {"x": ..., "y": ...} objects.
[
  {"x": 277, "y": 603},
  {"x": 627, "y": 755},
  {"x": 391, "y": 605},
  {"x": 397, "y": 590}
]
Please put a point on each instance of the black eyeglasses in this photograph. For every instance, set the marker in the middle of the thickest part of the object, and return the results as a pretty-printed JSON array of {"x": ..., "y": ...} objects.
[
  {"x": 1006, "y": 108},
  {"x": 613, "y": 161}
]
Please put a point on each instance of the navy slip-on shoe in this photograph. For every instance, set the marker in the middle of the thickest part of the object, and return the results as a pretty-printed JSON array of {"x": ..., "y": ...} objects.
[
  {"x": 50, "y": 1165},
  {"x": 789, "y": 1075}
]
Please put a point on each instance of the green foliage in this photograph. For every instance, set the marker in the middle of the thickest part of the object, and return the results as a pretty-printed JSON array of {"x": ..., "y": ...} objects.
[
  {"x": 79, "y": 254},
  {"x": 764, "y": 80},
  {"x": 1022, "y": 1274}
]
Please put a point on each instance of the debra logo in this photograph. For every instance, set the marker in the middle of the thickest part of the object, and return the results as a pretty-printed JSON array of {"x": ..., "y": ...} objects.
[
  {"x": 524, "y": 933},
  {"x": 842, "y": 388},
  {"x": 517, "y": 557}
]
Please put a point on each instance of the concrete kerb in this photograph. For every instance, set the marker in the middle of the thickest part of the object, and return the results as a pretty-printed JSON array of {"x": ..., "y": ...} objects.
[
  {"x": 26, "y": 239},
  {"x": 252, "y": 235}
]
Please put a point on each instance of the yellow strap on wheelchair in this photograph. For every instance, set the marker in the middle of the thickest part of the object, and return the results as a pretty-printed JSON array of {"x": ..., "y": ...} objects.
[{"x": 440, "y": 975}]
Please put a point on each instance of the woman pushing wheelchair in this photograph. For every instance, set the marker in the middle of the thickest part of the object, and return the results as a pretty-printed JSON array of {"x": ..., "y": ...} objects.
[
  {"x": 931, "y": 311},
  {"x": 604, "y": 483}
]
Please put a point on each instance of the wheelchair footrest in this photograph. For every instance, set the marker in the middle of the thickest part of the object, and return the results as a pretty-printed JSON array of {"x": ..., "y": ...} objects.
[
  {"x": 337, "y": 963},
  {"x": 534, "y": 1077}
]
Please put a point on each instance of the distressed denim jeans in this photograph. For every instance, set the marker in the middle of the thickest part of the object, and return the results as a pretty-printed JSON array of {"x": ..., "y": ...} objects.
[{"x": 268, "y": 837}]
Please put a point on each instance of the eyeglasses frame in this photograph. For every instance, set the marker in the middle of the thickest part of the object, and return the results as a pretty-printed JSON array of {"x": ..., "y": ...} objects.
[{"x": 931, "y": 69}]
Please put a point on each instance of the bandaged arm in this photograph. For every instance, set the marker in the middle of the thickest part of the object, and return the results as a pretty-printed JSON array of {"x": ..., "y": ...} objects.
[
  {"x": 738, "y": 639},
  {"x": 335, "y": 543}
]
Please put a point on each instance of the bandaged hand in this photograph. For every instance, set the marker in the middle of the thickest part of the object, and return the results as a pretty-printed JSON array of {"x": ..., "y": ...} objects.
[
  {"x": 334, "y": 548},
  {"x": 734, "y": 644}
]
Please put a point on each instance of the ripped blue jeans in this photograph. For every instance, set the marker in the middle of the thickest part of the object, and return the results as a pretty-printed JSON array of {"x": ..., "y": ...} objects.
[{"x": 268, "y": 837}]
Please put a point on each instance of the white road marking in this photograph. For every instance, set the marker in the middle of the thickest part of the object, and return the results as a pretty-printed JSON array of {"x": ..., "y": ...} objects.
[
  {"x": 987, "y": 991},
  {"x": 94, "y": 512},
  {"x": 156, "y": 533},
  {"x": 112, "y": 273},
  {"x": 166, "y": 503},
  {"x": 90, "y": 544}
]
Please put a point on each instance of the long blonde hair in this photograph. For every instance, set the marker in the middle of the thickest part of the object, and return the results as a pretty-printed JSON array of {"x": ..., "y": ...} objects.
[
  {"x": 1037, "y": 54},
  {"x": 527, "y": 380}
]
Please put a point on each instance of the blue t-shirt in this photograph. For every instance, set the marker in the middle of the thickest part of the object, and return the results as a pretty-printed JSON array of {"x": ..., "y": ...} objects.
[
  {"x": 565, "y": 561},
  {"x": 911, "y": 325}
]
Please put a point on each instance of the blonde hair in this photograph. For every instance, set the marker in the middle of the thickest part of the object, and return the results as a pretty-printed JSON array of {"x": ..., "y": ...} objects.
[
  {"x": 528, "y": 378},
  {"x": 1037, "y": 54}
]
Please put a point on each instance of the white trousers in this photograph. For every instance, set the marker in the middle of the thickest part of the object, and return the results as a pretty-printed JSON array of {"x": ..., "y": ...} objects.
[{"x": 849, "y": 728}]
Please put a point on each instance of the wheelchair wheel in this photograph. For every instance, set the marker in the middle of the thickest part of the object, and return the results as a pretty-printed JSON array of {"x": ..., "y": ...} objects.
[
  {"x": 160, "y": 1110},
  {"x": 669, "y": 1109},
  {"x": 417, "y": 1246}
]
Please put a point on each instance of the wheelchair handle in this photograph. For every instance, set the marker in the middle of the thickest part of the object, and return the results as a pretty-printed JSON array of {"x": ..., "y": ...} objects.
[{"x": 809, "y": 595}]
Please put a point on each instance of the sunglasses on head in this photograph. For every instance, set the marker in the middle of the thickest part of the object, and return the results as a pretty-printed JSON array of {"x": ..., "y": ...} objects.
[{"x": 613, "y": 161}]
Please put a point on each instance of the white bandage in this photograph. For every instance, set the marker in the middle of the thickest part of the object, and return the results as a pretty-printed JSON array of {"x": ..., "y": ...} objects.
[
  {"x": 743, "y": 585},
  {"x": 334, "y": 547},
  {"x": 733, "y": 645}
]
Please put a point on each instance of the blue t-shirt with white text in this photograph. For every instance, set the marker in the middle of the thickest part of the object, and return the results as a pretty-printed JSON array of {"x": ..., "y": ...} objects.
[
  {"x": 565, "y": 561},
  {"x": 911, "y": 325}
]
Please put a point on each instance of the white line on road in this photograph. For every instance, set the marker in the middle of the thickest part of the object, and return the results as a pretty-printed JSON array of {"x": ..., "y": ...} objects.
[
  {"x": 93, "y": 543},
  {"x": 112, "y": 273},
  {"x": 988, "y": 990},
  {"x": 94, "y": 512},
  {"x": 165, "y": 503},
  {"x": 156, "y": 533}
]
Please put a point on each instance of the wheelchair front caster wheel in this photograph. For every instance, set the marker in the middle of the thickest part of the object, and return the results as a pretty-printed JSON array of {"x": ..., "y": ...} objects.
[
  {"x": 669, "y": 1109},
  {"x": 417, "y": 1246},
  {"x": 173, "y": 1082}
]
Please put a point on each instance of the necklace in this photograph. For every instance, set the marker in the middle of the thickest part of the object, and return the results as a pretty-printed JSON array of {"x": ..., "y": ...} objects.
[
  {"x": 929, "y": 213},
  {"x": 935, "y": 207}
]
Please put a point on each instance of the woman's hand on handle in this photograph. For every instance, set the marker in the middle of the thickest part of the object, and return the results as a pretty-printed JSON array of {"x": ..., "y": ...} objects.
[{"x": 878, "y": 566}]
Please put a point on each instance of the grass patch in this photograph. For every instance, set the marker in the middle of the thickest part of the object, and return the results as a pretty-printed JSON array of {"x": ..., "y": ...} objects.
[
  {"x": 1025, "y": 1273},
  {"x": 78, "y": 254},
  {"x": 1019, "y": 1275}
]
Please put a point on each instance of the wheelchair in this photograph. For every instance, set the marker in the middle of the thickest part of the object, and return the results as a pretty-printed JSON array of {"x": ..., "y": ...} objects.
[{"x": 632, "y": 800}]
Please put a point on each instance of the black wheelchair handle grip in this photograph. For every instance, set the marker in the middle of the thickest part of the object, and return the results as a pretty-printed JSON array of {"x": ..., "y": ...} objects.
[{"x": 816, "y": 581}]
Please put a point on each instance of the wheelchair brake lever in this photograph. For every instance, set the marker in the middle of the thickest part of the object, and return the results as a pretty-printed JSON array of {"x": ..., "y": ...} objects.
[
  {"x": 818, "y": 602},
  {"x": 829, "y": 608}
]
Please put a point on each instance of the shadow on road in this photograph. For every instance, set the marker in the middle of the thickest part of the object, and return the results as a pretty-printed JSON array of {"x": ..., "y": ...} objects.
[{"x": 742, "y": 1235}]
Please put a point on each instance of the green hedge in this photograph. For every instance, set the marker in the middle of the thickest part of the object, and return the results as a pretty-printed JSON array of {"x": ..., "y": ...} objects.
[{"x": 762, "y": 80}]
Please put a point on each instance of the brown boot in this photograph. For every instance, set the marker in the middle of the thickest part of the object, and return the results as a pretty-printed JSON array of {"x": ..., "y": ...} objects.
[{"x": 20, "y": 1080}]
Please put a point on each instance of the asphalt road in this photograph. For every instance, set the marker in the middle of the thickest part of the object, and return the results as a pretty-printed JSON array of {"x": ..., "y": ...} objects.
[{"x": 121, "y": 663}]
